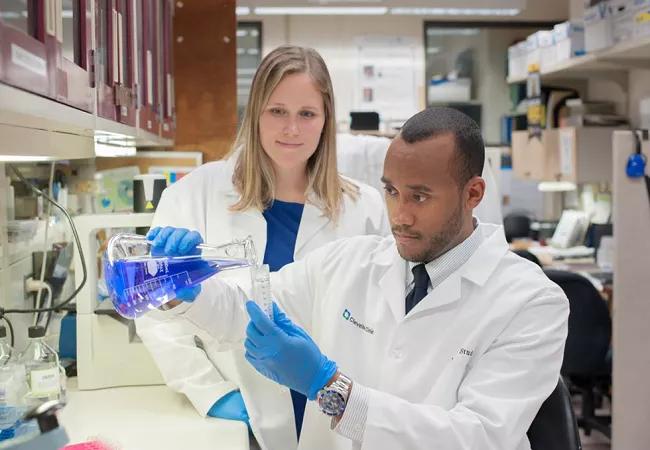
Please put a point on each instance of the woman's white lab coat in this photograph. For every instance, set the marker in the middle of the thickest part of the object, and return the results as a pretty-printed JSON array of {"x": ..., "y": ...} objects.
[
  {"x": 200, "y": 202},
  {"x": 466, "y": 369}
]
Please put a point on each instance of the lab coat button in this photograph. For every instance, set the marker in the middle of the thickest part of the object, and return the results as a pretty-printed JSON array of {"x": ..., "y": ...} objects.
[{"x": 397, "y": 354}]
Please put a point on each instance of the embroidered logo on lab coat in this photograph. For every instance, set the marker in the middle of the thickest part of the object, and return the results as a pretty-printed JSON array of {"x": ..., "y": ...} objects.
[{"x": 347, "y": 315}]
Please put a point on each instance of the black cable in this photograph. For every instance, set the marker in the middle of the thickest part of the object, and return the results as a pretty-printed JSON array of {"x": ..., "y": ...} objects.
[
  {"x": 11, "y": 330},
  {"x": 53, "y": 308}
]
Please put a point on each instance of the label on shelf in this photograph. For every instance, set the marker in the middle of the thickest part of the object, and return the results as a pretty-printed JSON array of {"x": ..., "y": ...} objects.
[{"x": 28, "y": 60}]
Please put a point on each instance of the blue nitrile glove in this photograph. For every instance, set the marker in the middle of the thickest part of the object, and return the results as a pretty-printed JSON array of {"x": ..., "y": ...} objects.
[
  {"x": 231, "y": 407},
  {"x": 284, "y": 352},
  {"x": 171, "y": 241}
]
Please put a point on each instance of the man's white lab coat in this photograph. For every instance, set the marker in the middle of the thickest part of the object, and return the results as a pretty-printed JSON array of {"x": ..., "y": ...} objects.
[{"x": 467, "y": 368}]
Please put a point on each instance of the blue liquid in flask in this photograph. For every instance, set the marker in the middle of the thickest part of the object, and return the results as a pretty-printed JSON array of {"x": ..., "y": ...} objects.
[{"x": 140, "y": 284}]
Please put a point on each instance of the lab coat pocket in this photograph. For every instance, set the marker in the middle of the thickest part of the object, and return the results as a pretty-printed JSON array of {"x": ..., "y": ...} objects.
[{"x": 445, "y": 390}]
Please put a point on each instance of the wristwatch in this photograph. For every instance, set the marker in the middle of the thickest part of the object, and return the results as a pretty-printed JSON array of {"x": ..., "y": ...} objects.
[{"x": 333, "y": 398}]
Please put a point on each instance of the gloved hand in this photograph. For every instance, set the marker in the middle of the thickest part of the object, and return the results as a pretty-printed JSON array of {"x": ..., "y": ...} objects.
[
  {"x": 171, "y": 241},
  {"x": 284, "y": 352},
  {"x": 231, "y": 407}
]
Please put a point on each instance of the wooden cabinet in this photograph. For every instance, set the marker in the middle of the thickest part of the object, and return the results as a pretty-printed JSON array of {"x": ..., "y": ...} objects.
[
  {"x": 23, "y": 54},
  {"x": 148, "y": 60},
  {"x": 578, "y": 155},
  {"x": 110, "y": 58},
  {"x": 72, "y": 53},
  {"x": 166, "y": 40}
]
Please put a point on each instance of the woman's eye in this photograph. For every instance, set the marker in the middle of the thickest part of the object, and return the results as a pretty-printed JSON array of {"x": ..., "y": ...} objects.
[
  {"x": 308, "y": 114},
  {"x": 276, "y": 111}
]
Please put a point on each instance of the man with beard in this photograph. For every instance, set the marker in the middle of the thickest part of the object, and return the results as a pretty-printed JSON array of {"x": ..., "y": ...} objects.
[{"x": 438, "y": 337}]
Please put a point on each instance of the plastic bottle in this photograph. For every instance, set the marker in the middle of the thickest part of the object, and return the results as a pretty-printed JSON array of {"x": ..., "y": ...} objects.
[
  {"x": 12, "y": 389},
  {"x": 42, "y": 369}
]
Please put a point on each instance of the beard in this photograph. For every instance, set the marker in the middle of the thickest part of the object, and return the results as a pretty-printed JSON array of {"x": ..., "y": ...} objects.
[{"x": 439, "y": 243}]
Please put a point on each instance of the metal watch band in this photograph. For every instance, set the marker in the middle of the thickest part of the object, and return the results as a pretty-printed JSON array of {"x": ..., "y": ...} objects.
[{"x": 339, "y": 388}]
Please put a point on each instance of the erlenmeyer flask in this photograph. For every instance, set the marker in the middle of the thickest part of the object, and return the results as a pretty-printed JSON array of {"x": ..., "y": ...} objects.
[{"x": 139, "y": 280}]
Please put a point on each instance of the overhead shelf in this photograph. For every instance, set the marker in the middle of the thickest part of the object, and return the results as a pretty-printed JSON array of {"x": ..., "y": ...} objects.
[
  {"x": 39, "y": 127},
  {"x": 621, "y": 57}
]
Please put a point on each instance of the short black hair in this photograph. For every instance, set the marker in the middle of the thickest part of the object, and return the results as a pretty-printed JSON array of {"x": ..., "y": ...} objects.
[{"x": 438, "y": 120}]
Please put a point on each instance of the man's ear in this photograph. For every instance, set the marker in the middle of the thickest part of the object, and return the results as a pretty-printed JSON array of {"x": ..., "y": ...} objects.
[{"x": 474, "y": 192}]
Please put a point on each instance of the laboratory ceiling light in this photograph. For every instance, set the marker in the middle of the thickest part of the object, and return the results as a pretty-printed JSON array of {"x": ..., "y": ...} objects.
[
  {"x": 456, "y": 11},
  {"x": 556, "y": 186},
  {"x": 321, "y": 10},
  {"x": 21, "y": 158},
  {"x": 242, "y": 10},
  {"x": 112, "y": 150}
]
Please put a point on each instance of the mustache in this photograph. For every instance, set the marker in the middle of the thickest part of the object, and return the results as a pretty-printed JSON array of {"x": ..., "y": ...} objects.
[{"x": 405, "y": 231}]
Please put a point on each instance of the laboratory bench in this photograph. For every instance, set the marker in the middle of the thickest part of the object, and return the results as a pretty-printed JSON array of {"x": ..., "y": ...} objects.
[{"x": 144, "y": 418}]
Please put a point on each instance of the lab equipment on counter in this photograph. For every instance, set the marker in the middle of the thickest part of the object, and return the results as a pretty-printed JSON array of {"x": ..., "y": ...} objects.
[
  {"x": 5, "y": 349},
  {"x": 13, "y": 388},
  {"x": 44, "y": 374},
  {"x": 139, "y": 280},
  {"x": 45, "y": 432},
  {"x": 261, "y": 283}
]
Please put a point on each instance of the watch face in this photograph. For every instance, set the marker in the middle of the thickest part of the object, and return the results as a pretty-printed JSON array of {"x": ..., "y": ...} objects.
[{"x": 332, "y": 403}]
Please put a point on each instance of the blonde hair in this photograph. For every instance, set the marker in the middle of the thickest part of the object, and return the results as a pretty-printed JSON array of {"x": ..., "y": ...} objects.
[{"x": 254, "y": 177}]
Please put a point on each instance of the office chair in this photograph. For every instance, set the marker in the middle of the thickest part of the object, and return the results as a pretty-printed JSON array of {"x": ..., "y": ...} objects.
[
  {"x": 587, "y": 356},
  {"x": 516, "y": 226},
  {"x": 529, "y": 256},
  {"x": 554, "y": 426}
]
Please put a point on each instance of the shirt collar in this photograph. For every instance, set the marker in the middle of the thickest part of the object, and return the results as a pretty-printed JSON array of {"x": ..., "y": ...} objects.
[{"x": 443, "y": 266}]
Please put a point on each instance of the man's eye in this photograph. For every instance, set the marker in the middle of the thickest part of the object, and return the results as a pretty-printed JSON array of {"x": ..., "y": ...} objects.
[
  {"x": 420, "y": 198},
  {"x": 390, "y": 190}
]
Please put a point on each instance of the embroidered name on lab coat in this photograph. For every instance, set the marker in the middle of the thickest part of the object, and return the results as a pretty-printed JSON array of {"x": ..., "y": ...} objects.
[{"x": 465, "y": 352}]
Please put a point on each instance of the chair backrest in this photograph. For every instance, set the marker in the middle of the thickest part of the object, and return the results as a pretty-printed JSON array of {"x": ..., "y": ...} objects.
[
  {"x": 590, "y": 326},
  {"x": 554, "y": 426},
  {"x": 516, "y": 226},
  {"x": 528, "y": 255}
]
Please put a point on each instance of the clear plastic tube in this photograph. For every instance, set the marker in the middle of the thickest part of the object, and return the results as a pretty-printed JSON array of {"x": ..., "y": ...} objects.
[{"x": 261, "y": 281}]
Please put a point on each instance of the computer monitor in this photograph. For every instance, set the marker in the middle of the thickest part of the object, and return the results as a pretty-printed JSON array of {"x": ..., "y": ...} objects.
[{"x": 364, "y": 120}]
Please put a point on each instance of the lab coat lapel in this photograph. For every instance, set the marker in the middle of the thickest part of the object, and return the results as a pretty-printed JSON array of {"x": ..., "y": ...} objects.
[
  {"x": 313, "y": 220},
  {"x": 476, "y": 270},
  {"x": 392, "y": 280}
]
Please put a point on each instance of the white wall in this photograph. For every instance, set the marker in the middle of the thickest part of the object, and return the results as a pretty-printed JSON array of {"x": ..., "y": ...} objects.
[{"x": 334, "y": 38}]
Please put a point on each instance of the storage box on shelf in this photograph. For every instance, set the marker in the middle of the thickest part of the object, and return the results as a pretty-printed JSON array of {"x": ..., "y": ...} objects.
[
  {"x": 599, "y": 26},
  {"x": 575, "y": 154},
  {"x": 569, "y": 40}
]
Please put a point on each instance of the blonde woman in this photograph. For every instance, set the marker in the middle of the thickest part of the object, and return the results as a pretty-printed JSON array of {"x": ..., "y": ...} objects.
[{"x": 281, "y": 186}]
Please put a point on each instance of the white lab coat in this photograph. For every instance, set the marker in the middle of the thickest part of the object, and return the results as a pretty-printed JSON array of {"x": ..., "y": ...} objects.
[
  {"x": 467, "y": 368},
  {"x": 200, "y": 202}
]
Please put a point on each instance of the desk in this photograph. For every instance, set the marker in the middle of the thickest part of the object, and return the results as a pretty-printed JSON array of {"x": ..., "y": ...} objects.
[{"x": 146, "y": 418}]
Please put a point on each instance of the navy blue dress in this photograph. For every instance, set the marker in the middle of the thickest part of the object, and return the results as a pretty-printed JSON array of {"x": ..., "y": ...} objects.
[{"x": 282, "y": 223}]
